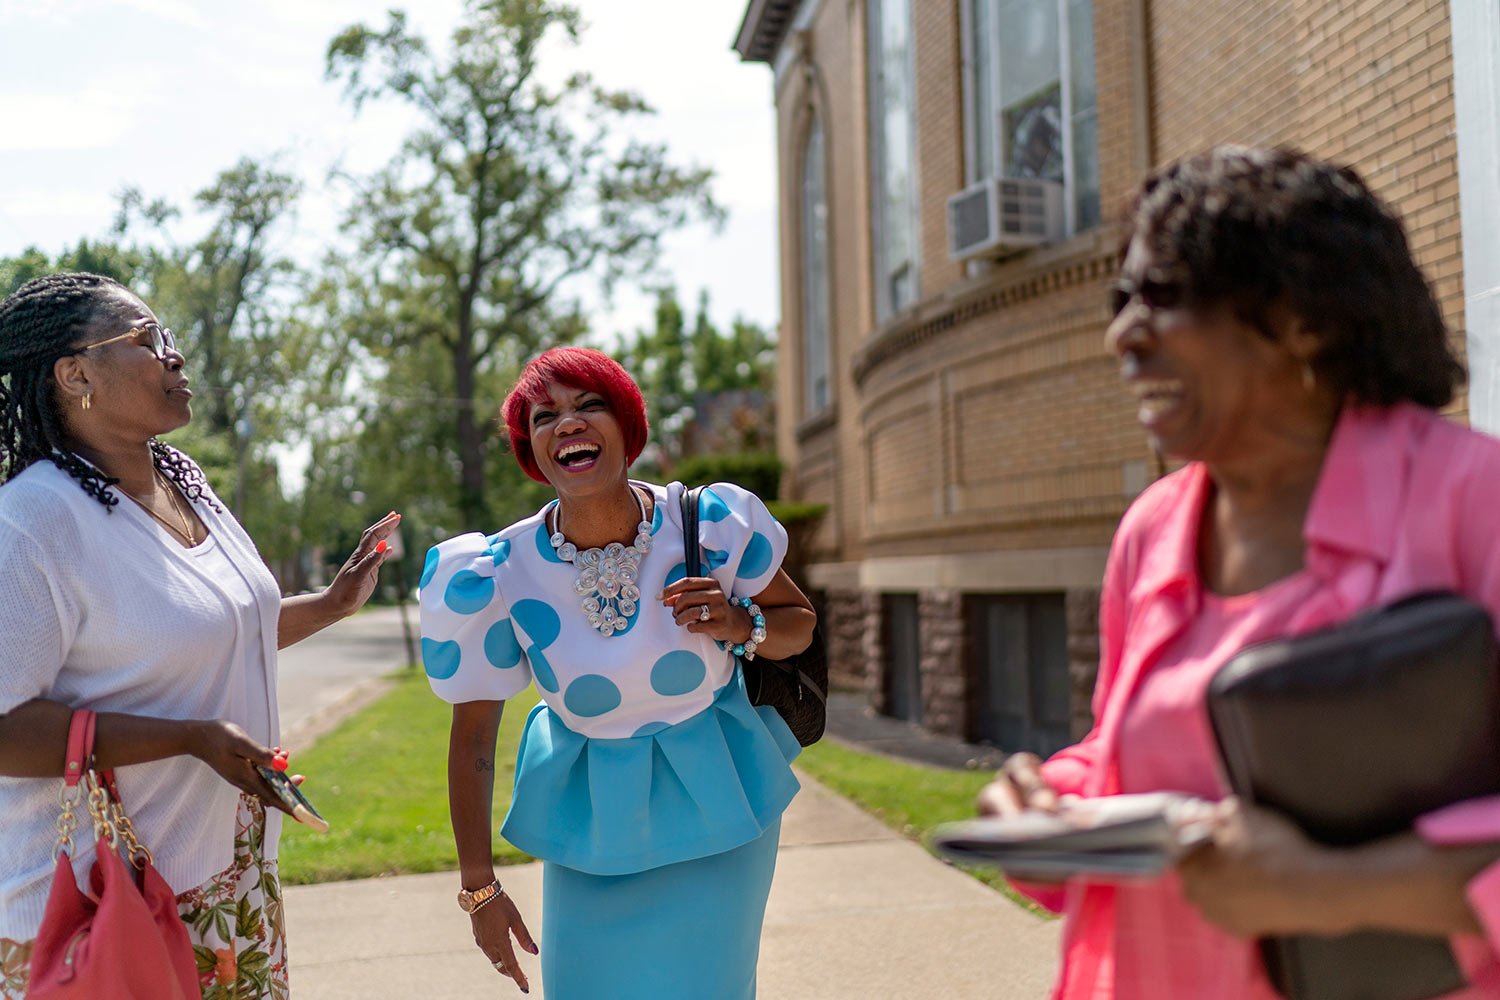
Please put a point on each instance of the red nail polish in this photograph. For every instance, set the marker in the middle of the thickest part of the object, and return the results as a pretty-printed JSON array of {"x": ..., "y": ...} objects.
[
  {"x": 278, "y": 763},
  {"x": 381, "y": 546}
]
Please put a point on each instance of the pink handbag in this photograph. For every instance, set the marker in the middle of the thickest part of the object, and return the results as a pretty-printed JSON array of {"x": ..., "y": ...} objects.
[{"x": 123, "y": 938}]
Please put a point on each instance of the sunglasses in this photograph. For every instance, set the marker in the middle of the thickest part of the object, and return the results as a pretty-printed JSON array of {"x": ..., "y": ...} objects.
[
  {"x": 161, "y": 340},
  {"x": 1153, "y": 294}
]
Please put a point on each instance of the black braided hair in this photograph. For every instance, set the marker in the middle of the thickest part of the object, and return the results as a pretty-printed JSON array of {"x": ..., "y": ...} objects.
[{"x": 40, "y": 323}]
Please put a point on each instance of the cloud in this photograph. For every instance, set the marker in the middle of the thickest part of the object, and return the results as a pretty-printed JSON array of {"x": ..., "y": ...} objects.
[
  {"x": 82, "y": 13},
  {"x": 60, "y": 202},
  {"x": 41, "y": 122},
  {"x": 180, "y": 11}
]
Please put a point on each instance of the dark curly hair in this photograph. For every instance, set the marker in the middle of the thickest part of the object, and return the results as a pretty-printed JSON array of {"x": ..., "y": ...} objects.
[
  {"x": 1267, "y": 229},
  {"x": 40, "y": 323}
]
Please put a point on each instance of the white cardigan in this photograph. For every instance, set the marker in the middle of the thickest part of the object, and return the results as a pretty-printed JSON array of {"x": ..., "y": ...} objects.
[{"x": 103, "y": 609}]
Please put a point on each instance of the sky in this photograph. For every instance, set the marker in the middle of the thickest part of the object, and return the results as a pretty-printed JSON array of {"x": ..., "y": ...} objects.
[{"x": 100, "y": 95}]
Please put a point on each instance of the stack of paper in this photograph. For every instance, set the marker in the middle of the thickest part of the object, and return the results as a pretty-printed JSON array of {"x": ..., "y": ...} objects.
[{"x": 1119, "y": 835}]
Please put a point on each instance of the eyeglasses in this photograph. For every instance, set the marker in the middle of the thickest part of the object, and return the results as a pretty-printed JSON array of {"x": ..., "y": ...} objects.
[
  {"x": 1153, "y": 294},
  {"x": 162, "y": 340}
]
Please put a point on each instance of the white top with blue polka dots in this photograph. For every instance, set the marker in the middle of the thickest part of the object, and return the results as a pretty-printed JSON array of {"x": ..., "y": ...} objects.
[{"x": 499, "y": 611}]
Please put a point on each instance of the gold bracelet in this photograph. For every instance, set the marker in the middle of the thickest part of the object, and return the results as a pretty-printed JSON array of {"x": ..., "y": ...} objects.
[{"x": 471, "y": 902}]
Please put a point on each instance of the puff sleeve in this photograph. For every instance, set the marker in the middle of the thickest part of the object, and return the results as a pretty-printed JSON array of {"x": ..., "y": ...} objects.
[
  {"x": 469, "y": 645},
  {"x": 743, "y": 545}
]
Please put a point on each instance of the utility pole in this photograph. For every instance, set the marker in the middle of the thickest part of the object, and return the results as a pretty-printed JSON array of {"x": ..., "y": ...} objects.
[{"x": 397, "y": 554}]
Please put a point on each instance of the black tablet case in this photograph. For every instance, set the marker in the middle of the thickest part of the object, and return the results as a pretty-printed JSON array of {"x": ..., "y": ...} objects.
[{"x": 1353, "y": 732}]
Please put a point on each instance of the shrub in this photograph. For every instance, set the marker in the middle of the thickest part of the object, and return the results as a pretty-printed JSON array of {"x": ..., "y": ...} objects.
[{"x": 757, "y": 471}]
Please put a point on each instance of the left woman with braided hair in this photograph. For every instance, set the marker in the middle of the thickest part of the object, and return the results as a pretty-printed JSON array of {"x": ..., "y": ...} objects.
[{"x": 128, "y": 589}]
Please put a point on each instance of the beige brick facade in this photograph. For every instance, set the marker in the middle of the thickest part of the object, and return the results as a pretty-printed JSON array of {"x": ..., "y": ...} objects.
[{"x": 979, "y": 441}]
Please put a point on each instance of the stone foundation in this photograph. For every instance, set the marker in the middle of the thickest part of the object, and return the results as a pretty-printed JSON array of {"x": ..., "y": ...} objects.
[
  {"x": 872, "y": 648},
  {"x": 944, "y": 662},
  {"x": 844, "y": 631},
  {"x": 854, "y": 627},
  {"x": 1083, "y": 655}
]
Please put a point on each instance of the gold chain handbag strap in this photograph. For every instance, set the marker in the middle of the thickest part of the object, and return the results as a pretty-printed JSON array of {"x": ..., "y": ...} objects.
[
  {"x": 99, "y": 809},
  {"x": 67, "y": 820},
  {"x": 97, "y": 792},
  {"x": 138, "y": 853}
]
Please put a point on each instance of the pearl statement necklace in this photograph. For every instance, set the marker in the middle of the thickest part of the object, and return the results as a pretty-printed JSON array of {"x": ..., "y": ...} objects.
[{"x": 608, "y": 577}]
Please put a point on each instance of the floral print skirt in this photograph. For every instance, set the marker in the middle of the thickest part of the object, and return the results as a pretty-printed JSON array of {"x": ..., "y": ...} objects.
[{"x": 234, "y": 920}]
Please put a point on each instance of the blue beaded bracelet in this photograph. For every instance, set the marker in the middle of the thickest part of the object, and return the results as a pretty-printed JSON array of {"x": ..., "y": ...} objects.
[{"x": 757, "y": 628}]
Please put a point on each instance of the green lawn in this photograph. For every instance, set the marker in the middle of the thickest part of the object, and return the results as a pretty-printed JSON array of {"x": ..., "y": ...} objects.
[
  {"x": 381, "y": 781},
  {"x": 910, "y": 798}
]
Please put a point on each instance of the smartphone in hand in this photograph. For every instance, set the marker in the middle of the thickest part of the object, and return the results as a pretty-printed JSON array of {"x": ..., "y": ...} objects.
[{"x": 292, "y": 797}]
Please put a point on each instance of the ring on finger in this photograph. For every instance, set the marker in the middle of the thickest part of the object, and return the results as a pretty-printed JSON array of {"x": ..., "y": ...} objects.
[
  {"x": 499, "y": 966},
  {"x": 703, "y": 613}
]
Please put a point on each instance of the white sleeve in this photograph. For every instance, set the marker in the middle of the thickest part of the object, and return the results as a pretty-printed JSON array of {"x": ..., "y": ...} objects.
[
  {"x": 743, "y": 545},
  {"x": 38, "y": 619},
  {"x": 469, "y": 645}
]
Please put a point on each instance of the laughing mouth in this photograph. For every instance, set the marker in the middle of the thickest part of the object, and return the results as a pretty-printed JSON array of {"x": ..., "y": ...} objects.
[
  {"x": 577, "y": 455},
  {"x": 1157, "y": 395}
]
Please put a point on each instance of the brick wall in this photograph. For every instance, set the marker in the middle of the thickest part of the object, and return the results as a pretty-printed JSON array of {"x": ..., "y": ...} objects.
[
  {"x": 1376, "y": 91},
  {"x": 940, "y": 134}
]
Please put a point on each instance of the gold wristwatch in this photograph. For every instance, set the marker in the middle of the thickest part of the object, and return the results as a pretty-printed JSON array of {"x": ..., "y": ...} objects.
[{"x": 470, "y": 902}]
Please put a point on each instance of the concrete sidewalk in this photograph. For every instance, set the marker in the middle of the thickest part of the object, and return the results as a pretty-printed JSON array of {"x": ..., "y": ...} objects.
[{"x": 856, "y": 913}]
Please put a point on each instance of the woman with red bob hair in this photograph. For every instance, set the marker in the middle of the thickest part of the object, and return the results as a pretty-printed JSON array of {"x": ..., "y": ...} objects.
[
  {"x": 645, "y": 781},
  {"x": 576, "y": 366}
]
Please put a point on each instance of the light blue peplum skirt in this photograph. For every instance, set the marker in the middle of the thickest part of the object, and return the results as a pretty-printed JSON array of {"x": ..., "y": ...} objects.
[
  {"x": 689, "y": 931},
  {"x": 658, "y": 850}
]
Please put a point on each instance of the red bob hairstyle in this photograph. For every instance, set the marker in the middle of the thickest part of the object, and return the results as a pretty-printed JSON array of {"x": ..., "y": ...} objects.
[{"x": 577, "y": 368}]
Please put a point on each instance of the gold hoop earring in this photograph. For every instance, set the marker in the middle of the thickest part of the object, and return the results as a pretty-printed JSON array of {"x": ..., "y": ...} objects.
[
  {"x": 1309, "y": 380},
  {"x": 88, "y": 400}
]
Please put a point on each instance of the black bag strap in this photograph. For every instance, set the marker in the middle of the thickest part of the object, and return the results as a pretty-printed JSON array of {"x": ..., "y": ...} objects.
[
  {"x": 690, "y": 556},
  {"x": 692, "y": 561}
]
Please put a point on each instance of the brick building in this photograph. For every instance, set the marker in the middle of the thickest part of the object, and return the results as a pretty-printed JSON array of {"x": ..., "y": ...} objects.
[{"x": 943, "y": 383}]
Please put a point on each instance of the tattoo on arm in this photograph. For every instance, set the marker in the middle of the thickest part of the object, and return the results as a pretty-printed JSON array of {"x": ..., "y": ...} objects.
[{"x": 484, "y": 764}]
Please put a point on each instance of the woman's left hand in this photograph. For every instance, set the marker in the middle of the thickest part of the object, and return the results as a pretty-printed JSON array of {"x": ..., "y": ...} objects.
[
  {"x": 1259, "y": 874},
  {"x": 700, "y": 605},
  {"x": 356, "y": 579}
]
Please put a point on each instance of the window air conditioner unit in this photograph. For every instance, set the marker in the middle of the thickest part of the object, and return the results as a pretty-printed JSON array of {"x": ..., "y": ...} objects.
[{"x": 1002, "y": 214}]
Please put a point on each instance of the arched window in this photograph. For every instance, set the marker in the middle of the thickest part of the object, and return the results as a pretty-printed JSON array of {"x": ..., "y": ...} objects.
[{"x": 815, "y": 333}]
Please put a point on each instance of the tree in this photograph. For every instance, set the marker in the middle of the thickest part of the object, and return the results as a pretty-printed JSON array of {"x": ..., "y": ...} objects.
[
  {"x": 232, "y": 299},
  {"x": 222, "y": 288},
  {"x": 108, "y": 259},
  {"x": 508, "y": 193},
  {"x": 706, "y": 390}
]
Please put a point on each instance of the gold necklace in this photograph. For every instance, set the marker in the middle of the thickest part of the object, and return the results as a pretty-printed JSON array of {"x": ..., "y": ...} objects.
[
  {"x": 176, "y": 500},
  {"x": 185, "y": 532}
]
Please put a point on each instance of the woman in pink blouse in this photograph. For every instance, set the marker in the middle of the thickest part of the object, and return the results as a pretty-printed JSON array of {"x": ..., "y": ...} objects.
[{"x": 1281, "y": 340}]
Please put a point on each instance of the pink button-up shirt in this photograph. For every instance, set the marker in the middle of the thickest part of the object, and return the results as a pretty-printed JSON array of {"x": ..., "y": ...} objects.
[{"x": 1406, "y": 502}]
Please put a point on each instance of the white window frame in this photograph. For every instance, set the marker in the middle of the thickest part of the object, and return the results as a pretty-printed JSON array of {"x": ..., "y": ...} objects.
[
  {"x": 822, "y": 312},
  {"x": 885, "y": 271},
  {"x": 1065, "y": 69}
]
